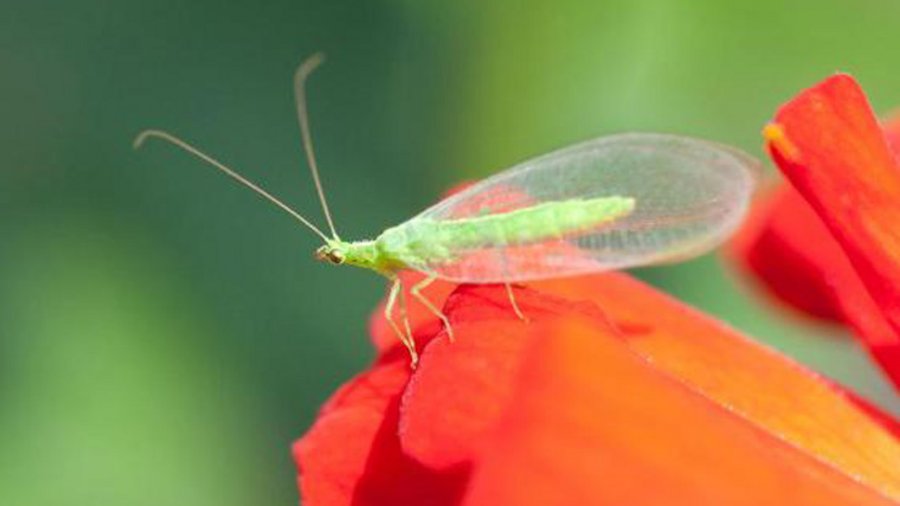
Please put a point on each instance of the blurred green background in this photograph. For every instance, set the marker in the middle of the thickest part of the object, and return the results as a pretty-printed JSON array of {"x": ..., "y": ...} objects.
[{"x": 165, "y": 335}]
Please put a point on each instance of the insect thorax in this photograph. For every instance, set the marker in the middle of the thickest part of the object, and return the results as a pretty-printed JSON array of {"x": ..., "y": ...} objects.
[{"x": 365, "y": 254}]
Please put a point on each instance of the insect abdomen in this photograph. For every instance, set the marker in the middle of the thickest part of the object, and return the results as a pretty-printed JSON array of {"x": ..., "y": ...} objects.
[{"x": 434, "y": 240}]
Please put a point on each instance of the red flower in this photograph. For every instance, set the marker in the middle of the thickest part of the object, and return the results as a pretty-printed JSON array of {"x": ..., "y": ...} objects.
[
  {"x": 614, "y": 393},
  {"x": 830, "y": 244}
]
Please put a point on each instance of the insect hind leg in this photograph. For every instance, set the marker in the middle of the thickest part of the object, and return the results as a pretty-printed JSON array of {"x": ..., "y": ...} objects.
[
  {"x": 509, "y": 291},
  {"x": 405, "y": 338},
  {"x": 416, "y": 291},
  {"x": 512, "y": 302}
]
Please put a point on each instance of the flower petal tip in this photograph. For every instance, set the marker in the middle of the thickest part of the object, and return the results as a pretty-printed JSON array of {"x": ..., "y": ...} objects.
[{"x": 777, "y": 139}]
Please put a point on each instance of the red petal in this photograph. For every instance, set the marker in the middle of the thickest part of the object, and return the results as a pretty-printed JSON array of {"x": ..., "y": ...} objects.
[
  {"x": 829, "y": 144},
  {"x": 787, "y": 247},
  {"x": 352, "y": 456},
  {"x": 590, "y": 422},
  {"x": 460, "y": 388},
  {"x": 766, "y": 388}
]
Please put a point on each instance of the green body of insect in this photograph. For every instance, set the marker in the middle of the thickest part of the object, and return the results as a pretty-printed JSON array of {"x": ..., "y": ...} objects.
[
  {"x": 424, "y": 240},
  {"x": 609, "y": 203}
]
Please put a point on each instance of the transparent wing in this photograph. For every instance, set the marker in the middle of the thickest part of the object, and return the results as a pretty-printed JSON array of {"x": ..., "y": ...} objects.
[{"x": 690, "y": 194}]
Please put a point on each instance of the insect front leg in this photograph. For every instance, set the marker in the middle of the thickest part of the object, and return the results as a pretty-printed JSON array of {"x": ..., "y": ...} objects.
[
  {"x": 404, "y": 314},
  {"x": 416, "y": 292},
  {"x": 405, "y": 338}
]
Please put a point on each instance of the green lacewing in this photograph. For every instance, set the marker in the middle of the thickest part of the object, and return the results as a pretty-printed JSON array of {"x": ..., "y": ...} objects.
[{"x": 613, "y": 202}]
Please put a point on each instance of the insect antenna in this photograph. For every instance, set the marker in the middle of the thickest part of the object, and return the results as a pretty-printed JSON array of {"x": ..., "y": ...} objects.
[
  {"x": 159, "y": 134},
  {"x": 303, "y": 71}
]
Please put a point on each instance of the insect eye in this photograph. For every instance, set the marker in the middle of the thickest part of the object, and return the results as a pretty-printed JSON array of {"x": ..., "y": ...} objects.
[{"x": 336, "y": 257}]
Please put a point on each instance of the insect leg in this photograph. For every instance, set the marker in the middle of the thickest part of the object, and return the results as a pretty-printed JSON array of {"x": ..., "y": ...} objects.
[
  {"x": 416, "y": 292},
  {"x": 509, "y": 290},
  {"x": 405, "y": 338},
  {"x": 404, "y": 314},
  {"x": 512, "y": 300}
]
